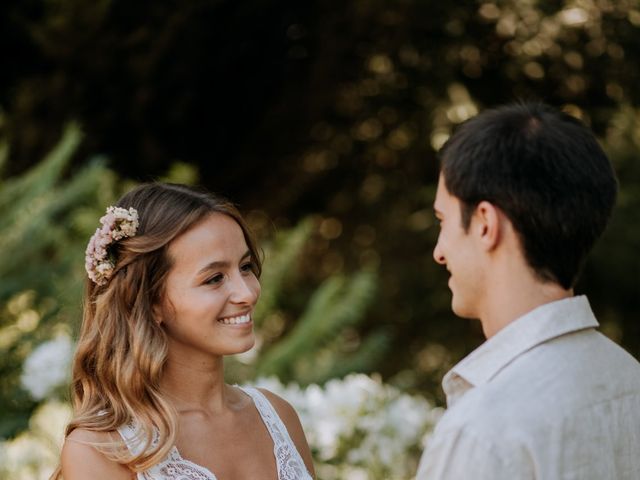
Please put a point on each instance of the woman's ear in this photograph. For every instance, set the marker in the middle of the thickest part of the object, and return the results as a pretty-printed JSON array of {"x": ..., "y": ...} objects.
[
  {"x": 487, "y": 224},
  {"x": 156, "y": 311}
]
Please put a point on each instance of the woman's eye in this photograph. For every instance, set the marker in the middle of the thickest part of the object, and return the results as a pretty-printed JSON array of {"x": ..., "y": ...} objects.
[
  {"x": 215, "y": 279},
  {"x": 247, "y": 267}
]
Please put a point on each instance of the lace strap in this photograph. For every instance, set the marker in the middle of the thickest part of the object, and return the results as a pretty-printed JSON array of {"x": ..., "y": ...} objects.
[
  {"x": 172, "y": 467},
  {"x": 131, "y": 438},
  {"x": 288, "y": 460}
]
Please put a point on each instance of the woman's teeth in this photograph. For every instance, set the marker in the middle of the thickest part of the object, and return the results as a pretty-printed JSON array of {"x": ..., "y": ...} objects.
[{"x": 236, "y": 320}]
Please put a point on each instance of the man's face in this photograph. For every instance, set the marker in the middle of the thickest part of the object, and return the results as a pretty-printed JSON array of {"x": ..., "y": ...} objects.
[{"x": 459, "y": 251}]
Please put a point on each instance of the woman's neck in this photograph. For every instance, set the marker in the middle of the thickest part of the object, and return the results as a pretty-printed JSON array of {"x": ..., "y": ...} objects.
[{"x": 193, "y": 383}]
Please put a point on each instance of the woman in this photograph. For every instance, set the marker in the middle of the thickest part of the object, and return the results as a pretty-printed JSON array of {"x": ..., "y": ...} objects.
[{"x": 173, "y": 282}]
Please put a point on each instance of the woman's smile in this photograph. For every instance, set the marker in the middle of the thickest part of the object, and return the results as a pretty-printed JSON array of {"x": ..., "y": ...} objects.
[{"x": 237, "y": 321}]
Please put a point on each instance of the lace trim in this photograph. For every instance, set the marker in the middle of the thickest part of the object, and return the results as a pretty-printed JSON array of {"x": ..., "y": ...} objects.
[
  {"x": 288, "y": 460},
  {"x": 289, "y": 463},
  {"x": 177, "y": 468},
  {"x": 173, "y": 467}
]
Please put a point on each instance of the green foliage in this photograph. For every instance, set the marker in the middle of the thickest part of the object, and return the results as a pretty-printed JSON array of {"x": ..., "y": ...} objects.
[
  {"x": 338, "y": 303},
  {"x": 41, "y": 245},
  {"x": 320, "y": 340},
  {"x": 351, "y": 104},
  {"x": 281, "y": 259},
  {"x": 4, "y": 151},
  {"x": 46, "y": 219},
  {"x": 338, "y": 111},
  {"x": 610, "y": 276}
]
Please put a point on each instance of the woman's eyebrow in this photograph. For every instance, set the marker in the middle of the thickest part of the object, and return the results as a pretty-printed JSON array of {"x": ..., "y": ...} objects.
[
  {"x": 221, "y": 264},
  {"x": 213, "y": 266}
]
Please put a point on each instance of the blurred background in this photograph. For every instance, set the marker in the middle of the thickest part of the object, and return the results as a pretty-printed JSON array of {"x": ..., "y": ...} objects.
[{"x": 321, "y": 120}]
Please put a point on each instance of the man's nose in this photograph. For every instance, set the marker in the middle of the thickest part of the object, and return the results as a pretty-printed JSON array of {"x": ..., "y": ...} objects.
[{"x": 438, "y": 256}]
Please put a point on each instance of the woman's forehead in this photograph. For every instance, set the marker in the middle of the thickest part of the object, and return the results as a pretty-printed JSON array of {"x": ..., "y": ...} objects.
[{"x": 217, "y": 238}]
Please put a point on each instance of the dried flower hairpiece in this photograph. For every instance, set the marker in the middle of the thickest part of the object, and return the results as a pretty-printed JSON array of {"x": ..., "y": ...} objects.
[{"x": 117, "y": 224}]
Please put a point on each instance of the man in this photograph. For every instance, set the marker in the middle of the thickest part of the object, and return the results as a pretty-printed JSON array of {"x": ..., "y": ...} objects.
[{"x": 524, "y": 193}]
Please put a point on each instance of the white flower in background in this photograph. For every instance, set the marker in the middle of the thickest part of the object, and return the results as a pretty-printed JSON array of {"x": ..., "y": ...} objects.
[
  {"x": 359, "y": 427},
  {"x": 47, "y": 366},
  {"x": 34, "y": 454}
]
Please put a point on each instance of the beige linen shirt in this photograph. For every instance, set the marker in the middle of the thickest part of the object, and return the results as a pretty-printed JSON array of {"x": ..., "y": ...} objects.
[{"x": 547, "y": 397}]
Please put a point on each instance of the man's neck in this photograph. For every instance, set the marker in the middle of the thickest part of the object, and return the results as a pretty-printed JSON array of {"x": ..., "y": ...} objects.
[{"x": 513, "y": 299}]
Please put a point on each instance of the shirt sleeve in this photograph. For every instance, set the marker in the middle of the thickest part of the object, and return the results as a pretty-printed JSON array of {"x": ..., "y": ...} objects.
[{"x": 459, "y": 454}]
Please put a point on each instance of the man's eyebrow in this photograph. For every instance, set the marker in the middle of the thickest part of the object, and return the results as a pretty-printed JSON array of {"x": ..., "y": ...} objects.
[{"x": 221, "y": 263}]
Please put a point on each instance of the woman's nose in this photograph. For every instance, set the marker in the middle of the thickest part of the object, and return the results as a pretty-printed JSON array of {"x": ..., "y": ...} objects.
[{"x": 245, "y": 290}]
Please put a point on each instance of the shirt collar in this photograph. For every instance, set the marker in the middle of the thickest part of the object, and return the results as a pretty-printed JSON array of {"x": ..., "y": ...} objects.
[{"x": 540, "y": 325}]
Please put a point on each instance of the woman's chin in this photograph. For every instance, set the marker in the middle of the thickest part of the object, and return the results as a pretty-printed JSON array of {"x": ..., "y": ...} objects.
[{"x": 244, "y": 346}]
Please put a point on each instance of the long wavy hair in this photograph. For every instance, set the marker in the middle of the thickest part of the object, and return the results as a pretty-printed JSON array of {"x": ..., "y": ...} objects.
[{"x": 122, "y": 351}]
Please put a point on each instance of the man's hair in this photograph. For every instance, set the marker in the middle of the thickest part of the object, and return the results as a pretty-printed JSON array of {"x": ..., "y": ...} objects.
[{"x": 545, "y": 170}]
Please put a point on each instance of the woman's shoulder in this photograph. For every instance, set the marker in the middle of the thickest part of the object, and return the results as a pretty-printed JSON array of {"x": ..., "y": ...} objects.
[
  {"x": 291, "y": 421},
  {"x": 83, "y": 435},
  {"x": 283, "y": 408},
  {"x": 81, "y": 459}
]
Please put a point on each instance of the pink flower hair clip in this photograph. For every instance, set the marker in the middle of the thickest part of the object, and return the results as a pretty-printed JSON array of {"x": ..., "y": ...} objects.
[{"x": 117, "y": 224}]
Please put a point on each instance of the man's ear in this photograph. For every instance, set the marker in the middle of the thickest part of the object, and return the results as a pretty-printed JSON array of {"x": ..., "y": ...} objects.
[{"x": 487, "y": 224}]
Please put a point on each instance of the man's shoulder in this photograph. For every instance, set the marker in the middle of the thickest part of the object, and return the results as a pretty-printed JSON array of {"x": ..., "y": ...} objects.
[
  {"x": 568, "y": 361},
  {"x": 543, "y": 411},
  {"x": 550, "y": 382},
  {"x": 484, "y": 412},
  {"x": 612, "y": 354},
  {"x": 575, "y": 363}
]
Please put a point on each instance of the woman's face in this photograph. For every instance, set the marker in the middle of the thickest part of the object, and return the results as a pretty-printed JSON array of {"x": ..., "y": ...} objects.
[{"x": 211, "y": 290}]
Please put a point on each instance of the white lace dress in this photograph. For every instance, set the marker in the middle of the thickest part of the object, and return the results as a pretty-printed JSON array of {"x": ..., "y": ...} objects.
[{"x": 288, "y": 460}]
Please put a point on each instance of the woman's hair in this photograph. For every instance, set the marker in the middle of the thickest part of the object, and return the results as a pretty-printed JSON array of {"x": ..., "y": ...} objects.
[{"x": 122, "y": 351}]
